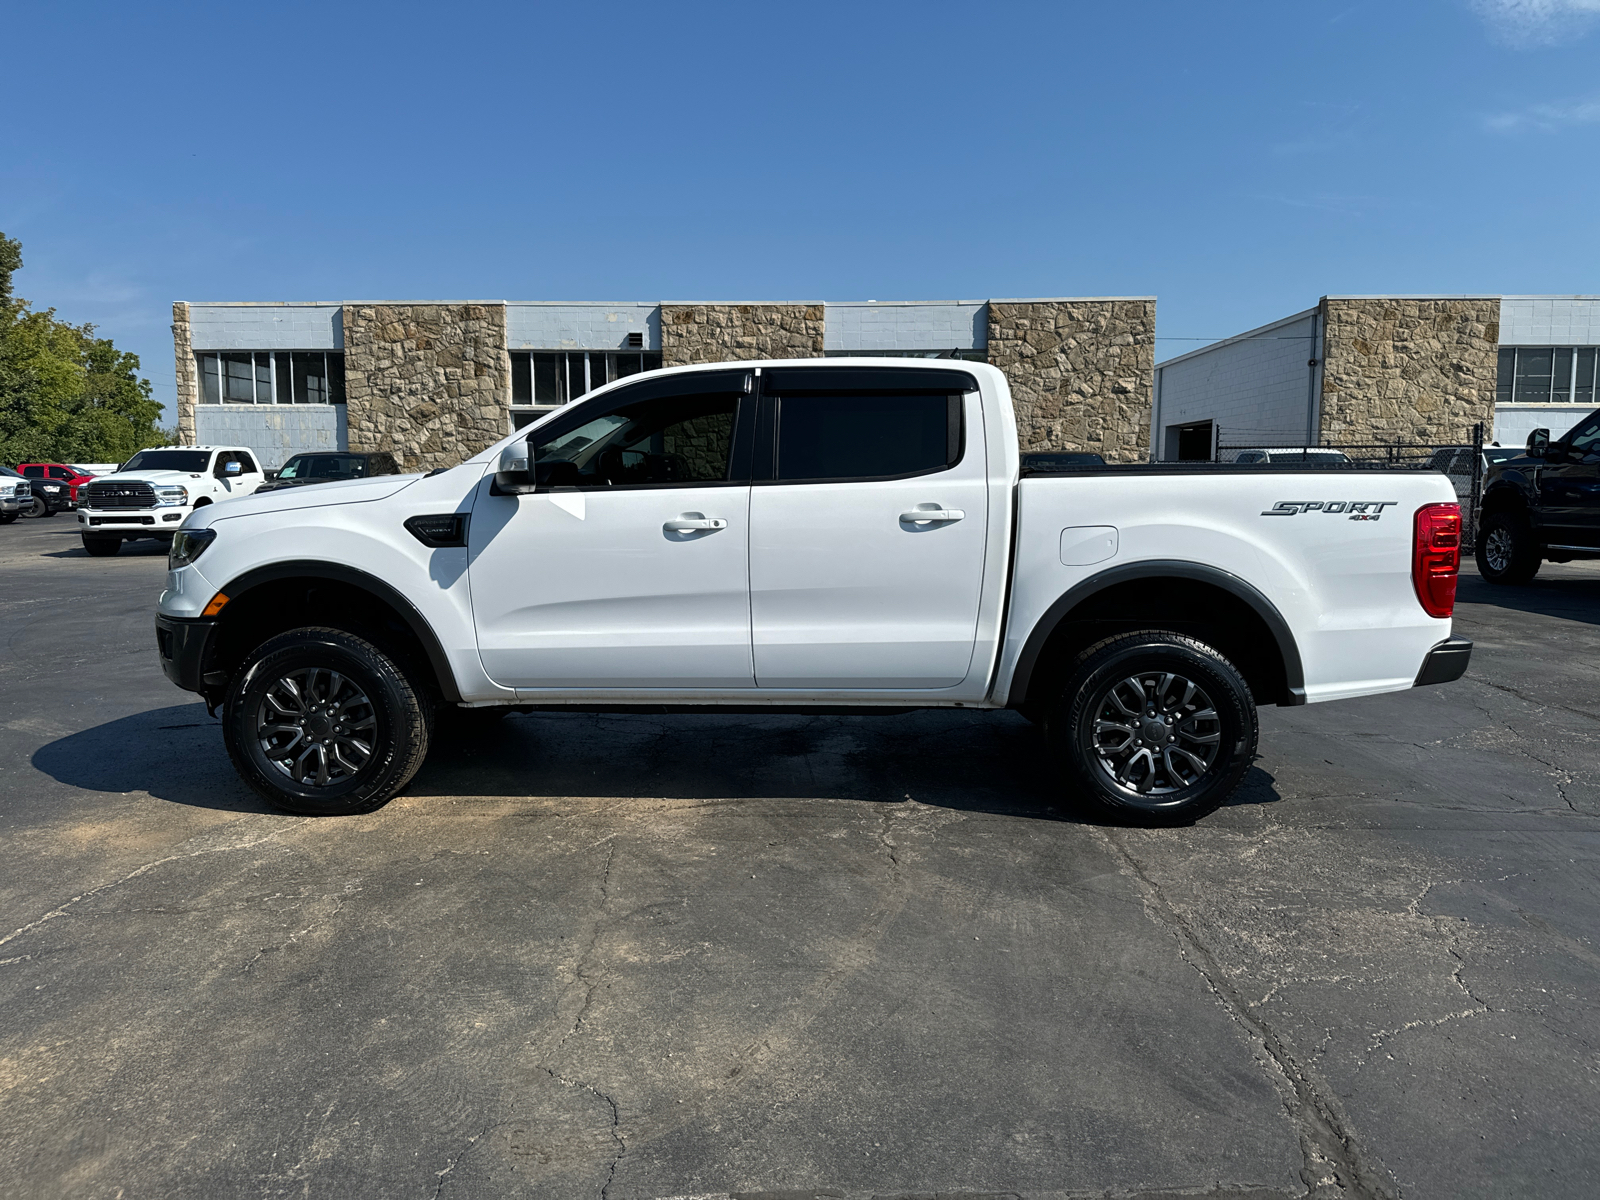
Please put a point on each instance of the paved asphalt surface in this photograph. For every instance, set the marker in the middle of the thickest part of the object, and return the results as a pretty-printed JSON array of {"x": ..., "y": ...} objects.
[{"x": 638, "y": 957}]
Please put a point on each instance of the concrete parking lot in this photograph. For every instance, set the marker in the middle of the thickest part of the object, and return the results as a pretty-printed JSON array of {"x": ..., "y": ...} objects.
[{"x": 640, "y": 957}]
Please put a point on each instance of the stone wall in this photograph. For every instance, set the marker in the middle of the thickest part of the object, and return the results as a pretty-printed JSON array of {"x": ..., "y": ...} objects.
[
  {"x": 702, "y": 333},
  {"x": 431, "y": 383},
  {"x": 1082, "y": 372},
  {"x": 184, "y": 369},
  {"x": 1408, "y": 370}
]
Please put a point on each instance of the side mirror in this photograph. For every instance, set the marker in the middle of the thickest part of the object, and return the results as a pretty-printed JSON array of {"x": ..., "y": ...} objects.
[
  {"x": 1538, "y": 443},
  {"x": 234, "y": 468},
  {"x": 513, "y": 475}
]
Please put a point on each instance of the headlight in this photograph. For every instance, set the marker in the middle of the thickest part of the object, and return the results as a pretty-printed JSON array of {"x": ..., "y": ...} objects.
[
  {"x": 52, "y": 487},
  {"x": 188, "y": 545},
  {"x": 171, "y": 494}
]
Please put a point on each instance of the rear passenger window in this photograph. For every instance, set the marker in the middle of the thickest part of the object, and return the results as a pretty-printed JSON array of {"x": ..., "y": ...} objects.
[
  {"x": 248, "y": 463},
  {"x": 864, "y": 436}
]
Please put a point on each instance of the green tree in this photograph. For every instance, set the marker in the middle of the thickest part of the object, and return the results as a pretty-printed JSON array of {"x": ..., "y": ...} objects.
[{"x": 65, "y": 394}]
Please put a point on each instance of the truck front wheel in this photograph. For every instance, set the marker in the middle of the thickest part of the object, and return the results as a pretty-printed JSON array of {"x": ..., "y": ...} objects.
[
  {"x": 321, "y": 722},
  {"x": 1506, "y": 551},
  {"x": 100, "y": 546},
  {"x": 1152, "y": 728}
]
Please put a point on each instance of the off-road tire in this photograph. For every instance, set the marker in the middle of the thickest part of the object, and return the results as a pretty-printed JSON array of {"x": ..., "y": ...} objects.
[
  {"x": 40, "y": 509},
  {"x": 400, "y": 709},
  {"x": 1072, "y": 728},
  {"x": 1506, "y": 551},
  {"x": 98, "y": 546}
]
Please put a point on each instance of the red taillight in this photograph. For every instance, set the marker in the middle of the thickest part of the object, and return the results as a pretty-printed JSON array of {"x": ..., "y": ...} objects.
[{"x": 1436, "y": 557}]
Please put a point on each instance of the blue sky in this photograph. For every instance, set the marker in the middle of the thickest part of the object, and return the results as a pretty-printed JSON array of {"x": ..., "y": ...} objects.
[{"x": 1237, "y": 160}]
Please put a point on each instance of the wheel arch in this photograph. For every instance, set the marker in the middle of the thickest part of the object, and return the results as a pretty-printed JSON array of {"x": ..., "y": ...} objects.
[
  {"x": 283, "y": 595},
  {"x": 1203, "y": 597},
  {"x": 1505, "y": 497}
]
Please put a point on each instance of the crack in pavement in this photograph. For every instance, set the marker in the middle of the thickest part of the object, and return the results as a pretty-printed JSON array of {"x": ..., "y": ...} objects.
[
  {"x": 293, "y": 938},
  {"x": 64, "y": 909},
  {"x": 1328, "y": 1142}
]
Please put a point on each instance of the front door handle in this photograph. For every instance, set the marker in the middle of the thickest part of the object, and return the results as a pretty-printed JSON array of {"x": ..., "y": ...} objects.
[
  {"x": 918, "y": 516},
  {"x": 694, "y": 523}
]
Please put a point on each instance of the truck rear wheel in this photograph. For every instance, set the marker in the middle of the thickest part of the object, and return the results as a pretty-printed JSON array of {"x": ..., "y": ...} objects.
[
  {"x": 1506, "y": 551},
  {"x": 321, "y": 722},
  {"x": 100, "y": 546},
  {"x": 1152, "y": 728}
]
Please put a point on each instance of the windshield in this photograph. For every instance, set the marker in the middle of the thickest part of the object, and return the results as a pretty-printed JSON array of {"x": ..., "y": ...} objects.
[
  {"x": 169, "y": 460},
  {"x": 10, "y": 474},
  {"x": 324, "y": 466}
]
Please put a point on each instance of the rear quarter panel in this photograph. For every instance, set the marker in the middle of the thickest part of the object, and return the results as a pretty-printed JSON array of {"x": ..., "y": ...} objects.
[{"x": 1343, "y": 586}]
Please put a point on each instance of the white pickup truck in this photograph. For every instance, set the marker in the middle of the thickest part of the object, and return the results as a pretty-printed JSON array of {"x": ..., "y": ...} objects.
[
  {"x": 814, "y": 535},
  {"x": 150, "y": 495}
]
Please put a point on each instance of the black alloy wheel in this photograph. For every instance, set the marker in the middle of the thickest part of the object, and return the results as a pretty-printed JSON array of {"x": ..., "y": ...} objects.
[
  {"x": 100, "y": 546},
  {"x": 39, "y": 508},
  {"x": 1506, "y": 550},
  {"x": 1153, "y": 728},
  {"x": 321, "y": 722}
]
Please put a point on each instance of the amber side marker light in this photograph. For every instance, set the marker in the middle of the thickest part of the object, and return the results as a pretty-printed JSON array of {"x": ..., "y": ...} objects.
[
  {"x": 215, "y": 606},
  {"x": 1436, "y": 557}
]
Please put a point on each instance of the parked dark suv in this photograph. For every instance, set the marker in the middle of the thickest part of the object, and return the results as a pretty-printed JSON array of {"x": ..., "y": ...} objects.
[
  {"x": 1544, "y": 504},
  {"x": 325, "y": 466}
]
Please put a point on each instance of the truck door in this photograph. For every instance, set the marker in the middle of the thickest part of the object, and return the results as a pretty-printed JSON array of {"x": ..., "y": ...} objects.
[
  {"x": 1569, "y": 491},
  {"x": 867, "y": 528},
  {"x": 627, "y": 569}
]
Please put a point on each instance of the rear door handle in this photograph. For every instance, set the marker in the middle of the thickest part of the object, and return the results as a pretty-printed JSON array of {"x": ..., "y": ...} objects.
[
  {"x": 920, "y": 515},
  {"x": 694, "y": 523}
]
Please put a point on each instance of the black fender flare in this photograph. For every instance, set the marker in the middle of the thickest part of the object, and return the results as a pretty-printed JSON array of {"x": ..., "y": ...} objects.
[
  {"x": 1293, "y": 673},
  {"x": 339, "y": 573}
]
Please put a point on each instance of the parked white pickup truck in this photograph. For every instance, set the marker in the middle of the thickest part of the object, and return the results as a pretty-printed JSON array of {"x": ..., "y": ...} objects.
[
  {"x": 150, "y": 495},
  {"x": 827, "y": 534}
]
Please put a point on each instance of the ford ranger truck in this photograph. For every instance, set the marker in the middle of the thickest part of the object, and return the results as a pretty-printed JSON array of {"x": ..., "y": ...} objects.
[
  {"x": 150, "y": 495},
  {"x": 858, "y": 535}
]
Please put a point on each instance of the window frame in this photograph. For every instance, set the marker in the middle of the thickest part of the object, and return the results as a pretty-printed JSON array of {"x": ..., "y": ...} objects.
[
  {"x": 579, "y": 413},
  {"x": 1508, "y": 366},
  {"x": 210, "y": 377},
  {"x": 523, "y": 363}
]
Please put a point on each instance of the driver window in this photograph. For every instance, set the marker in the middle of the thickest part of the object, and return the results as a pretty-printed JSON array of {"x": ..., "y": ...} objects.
[
  {"x": 670, "y": 440},
  {"x": 1585, "y": 439}
]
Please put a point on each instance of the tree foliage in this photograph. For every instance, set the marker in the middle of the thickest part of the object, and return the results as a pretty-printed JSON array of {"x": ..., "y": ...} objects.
[{"x": 65, "y": 394}]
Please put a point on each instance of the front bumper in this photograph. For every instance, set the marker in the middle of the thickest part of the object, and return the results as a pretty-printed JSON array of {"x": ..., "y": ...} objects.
[
  {"x": 142, "y": 522},
  {"x": 182, "y": 645},
  {"x": 10, "y": 505},
  {"x": 1446, "y": 662}
]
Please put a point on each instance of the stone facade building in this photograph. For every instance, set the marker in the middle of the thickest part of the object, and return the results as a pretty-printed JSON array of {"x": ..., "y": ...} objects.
[
  {"x": 1364, "y": 370},
  {"x": 434, "y": 383}
]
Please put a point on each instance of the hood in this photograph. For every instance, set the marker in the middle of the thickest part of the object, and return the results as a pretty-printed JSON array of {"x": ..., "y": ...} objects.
[
  {"x": 343, "y": 491},
  {"x": 159, "y": 478}
]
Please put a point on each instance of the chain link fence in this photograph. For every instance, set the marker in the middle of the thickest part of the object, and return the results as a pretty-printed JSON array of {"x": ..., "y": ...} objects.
[{"x": 1463, "y": 463}]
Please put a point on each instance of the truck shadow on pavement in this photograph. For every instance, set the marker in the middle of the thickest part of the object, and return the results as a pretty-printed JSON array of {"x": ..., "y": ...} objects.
[
  {"x": 973, "y": 762},
  {"x": 1568, "y": 598}
]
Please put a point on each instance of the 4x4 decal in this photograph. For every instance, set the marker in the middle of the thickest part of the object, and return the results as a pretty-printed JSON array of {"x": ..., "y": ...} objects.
[{"x": 1356, "y": 510}]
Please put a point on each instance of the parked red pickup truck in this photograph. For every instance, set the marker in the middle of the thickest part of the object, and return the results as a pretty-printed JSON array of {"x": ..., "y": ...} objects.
[{"x": 59, "y": 473}]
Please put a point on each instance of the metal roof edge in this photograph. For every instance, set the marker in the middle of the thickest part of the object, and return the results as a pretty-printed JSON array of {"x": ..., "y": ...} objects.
[{"x": 1239, "y": 337}]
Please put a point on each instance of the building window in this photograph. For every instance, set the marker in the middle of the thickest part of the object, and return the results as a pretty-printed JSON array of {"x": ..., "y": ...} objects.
[
  {"x": 271, "y": 377},
  {"x": 547, "y": 378},
  {"x": 1546, "y": 375}
]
